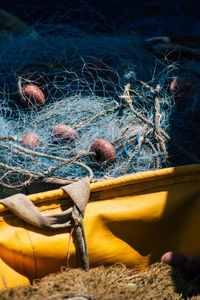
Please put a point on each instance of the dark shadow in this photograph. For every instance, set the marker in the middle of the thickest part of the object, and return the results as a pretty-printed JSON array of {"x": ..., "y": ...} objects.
[
  {"x": 184, "y": 126},
  {"x": 184, "y": 285}
]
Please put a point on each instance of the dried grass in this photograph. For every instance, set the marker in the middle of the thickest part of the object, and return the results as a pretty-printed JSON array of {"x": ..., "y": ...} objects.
[{"x": 160, "y": 281}]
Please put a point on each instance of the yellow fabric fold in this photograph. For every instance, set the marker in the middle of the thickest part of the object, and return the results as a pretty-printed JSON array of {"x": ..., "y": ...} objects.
[{"x": 132, "y": 219}]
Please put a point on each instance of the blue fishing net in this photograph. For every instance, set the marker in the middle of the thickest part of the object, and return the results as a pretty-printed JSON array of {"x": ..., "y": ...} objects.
[{"x": 105, "y": 86}]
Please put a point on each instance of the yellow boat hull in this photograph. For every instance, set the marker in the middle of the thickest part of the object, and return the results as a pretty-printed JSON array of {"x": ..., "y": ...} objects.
[{"x": 132, "y": 220}]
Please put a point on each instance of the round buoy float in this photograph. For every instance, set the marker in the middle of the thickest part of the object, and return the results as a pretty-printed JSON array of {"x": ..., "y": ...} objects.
[
  {"x": 174, "y": 259},
  {"x": 104, "y": 152},
  {"x": 180, "y": 85},
  {"x": 64, "y": 134},
  {"x": 30, "y": 140},
  {"x": 32, "y": 96}
]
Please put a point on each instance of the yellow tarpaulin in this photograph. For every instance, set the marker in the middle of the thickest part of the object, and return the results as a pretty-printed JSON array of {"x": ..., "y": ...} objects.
[{"x": 132, "y": 220}]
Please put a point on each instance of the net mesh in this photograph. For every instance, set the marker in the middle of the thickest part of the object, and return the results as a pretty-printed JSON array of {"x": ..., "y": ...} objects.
[{"x": 105, "y": 87}]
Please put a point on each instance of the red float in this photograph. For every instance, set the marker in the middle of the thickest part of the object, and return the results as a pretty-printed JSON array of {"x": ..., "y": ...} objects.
[
  {"x": 64, "y": 134},
  {"x": 174, "y": 259},
  {"x": 30, "y": 140},
  {"x": 104, "y": 152},
  {"x": 180, "y": 85},
  {"x": 32, "y": 96}
]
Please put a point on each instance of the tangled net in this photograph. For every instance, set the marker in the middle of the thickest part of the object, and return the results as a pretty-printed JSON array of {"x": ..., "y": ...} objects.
[{"x": 105, "y": 87}]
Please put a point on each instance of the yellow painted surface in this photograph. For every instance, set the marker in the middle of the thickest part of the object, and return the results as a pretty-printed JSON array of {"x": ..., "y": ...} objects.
[{"x": 132, "y": 220}]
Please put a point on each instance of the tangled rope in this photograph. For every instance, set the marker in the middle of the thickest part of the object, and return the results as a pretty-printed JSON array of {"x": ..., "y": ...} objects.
[{"x": 104, "y": 87}]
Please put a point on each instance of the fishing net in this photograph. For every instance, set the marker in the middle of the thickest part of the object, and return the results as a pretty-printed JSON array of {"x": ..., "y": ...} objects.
[{"x": 105, "y": 86}]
